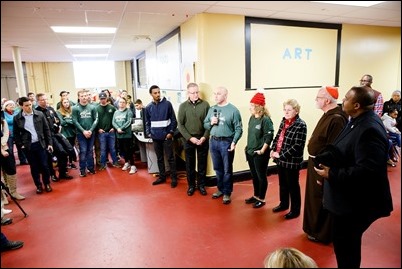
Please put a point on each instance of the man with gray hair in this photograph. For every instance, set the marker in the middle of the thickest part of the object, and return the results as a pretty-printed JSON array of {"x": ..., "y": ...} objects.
[{"x": 190, "y": 120}]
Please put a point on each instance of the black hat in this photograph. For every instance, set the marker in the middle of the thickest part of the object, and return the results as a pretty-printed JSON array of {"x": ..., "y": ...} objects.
[
  {"x": 102, "y": 95},
  {"x": 62, "y": 92}
]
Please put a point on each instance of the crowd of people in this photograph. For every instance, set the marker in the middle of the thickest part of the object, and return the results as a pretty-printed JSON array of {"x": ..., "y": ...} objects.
[{"x": 349, "y": 150}]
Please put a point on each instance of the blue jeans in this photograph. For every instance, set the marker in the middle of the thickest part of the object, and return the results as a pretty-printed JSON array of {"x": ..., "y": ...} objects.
[
  {"x": 4, "y": 240},
  {"x": 107, "y": 142},
  {"x": 86, "y": 152},
  {"x": 395, "y": 138},
  {"x": 222, "y": 160}
]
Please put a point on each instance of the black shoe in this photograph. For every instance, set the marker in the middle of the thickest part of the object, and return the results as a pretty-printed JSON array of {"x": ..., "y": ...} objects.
[
  {"x": 39, "y": 190},
  {"x": 250, "y": 200},
  {"x": 291, "y": 215},
  {"x": 173, "y": 184},
  {"x": 258, "y": 204},
  {"x": 279, "y": 208},
  {"x": 48, "y": 188},
  {"x": 10, "y": 245},
  {"x": 312, "y": 238},
  {"x": 202, "y": 190},
  {"x": 54, "y": 178},
  {"x": 73, "y": 166},
  {"x": 190, "y": 191},
  {"x": 92, "y": 171},
  {"x": 65, "y": 176},
  {"x": 158, "y": 181},
  {"x": 6, "y": 221}
]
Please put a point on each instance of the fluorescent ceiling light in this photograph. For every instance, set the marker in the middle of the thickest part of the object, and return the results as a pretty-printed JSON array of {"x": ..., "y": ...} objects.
[
  {"x": 84, "y": 30},
  {"x": 82, "y": 46},
  {"x": 89, "y": 55},
  {"x": 352, "y": 3}
]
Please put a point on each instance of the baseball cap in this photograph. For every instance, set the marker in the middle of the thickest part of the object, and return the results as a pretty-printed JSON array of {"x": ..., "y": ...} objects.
[
  {"x": 63, "y": 92},
  {"x": 102, "y": 95}
]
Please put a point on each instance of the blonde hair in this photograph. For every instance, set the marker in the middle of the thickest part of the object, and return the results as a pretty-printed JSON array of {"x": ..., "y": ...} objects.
[
  {"x": 289, "y": 258},
  {"x": 63, "y": 111},
  {"x": 293, "y": 103},
  {"x": 261, "y": 110}
]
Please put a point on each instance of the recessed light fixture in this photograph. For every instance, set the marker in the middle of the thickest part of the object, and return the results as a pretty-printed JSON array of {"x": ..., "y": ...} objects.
[
  {"x": 82, "y": 46},
  {"x": 352, "y": 3},
  {"x": 89, "y": 55},
  {"x": 83, "y": 30}
]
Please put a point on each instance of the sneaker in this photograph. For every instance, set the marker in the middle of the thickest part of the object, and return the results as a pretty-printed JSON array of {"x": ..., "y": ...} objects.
[
  {"x": 103, "y": 167},
  {"x": 391, "y": 163},
  {"x": 92, "y": 171},
  {"x": 217, "y": 194},
  {"x": 226, "y": 199},
  {"x": 10, "y": 245},
  {"x": 133, "y": 170},
  {"x": 126, "y": 166},
  {"x": 6, "y": 211},
  {"x": 6, "y": 221},
  {"x": 116, "y": 164},
  {"x": 83, "y": 174}
]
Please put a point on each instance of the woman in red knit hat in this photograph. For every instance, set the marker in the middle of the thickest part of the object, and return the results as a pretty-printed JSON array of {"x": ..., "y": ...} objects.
[{"x": 259, "y": 138}]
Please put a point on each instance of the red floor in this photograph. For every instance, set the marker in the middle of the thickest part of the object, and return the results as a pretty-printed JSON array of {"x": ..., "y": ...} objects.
[{"x": 113, "y": 219}]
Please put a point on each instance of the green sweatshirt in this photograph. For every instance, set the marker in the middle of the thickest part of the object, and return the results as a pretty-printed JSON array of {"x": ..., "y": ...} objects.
[
  {"x": 122, "y": 120},
  {"x": 105, "y": 115},
  {"x": 191, "y": 117},
  {"x": 85, "y": 118}
]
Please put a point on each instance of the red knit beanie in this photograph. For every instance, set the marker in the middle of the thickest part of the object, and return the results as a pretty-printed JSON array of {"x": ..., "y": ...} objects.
[
  {"x": 333, "y": 91},
  {"x": 258, "y": 99}
]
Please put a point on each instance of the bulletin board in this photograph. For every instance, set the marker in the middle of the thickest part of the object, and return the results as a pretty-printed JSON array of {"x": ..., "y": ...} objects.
[
  {"x": 168, "y": 53},
  {"x": 291, "y": 54}
]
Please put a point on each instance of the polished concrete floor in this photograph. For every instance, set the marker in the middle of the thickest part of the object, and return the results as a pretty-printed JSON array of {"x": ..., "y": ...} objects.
[{"x": 113, "y": 219}]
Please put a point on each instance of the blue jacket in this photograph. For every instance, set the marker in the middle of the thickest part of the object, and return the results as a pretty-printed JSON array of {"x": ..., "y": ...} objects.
[{"x": 160, "y": 119}]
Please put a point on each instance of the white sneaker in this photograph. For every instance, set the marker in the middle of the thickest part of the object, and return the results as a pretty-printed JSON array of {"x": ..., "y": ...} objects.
[
  {"x": 6, "y": 211},
  {"x": 133, "y": 169},
  {"x": 126, "y": 166}
]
